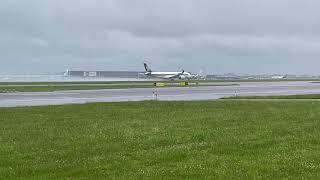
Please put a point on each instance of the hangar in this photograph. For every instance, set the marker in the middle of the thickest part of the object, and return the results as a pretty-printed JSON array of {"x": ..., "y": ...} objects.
[{"x": 105, "y": 74}]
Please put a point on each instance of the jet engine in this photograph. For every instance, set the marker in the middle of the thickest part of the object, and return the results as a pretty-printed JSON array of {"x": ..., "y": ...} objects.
[{"x": 182, "y": 77}]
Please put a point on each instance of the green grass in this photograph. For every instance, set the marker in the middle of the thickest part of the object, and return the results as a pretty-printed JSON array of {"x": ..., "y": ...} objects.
[
  {"x": 134, "y": 140},
  {"x": 49, "y": 87},
  {"x": 151, "y": 81},
  {"x": 91, "y": 85},
  {"x": 308, "y": 96}
]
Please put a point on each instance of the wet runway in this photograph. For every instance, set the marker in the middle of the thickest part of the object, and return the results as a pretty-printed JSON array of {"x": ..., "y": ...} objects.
[{"x": 138, "y": 94}]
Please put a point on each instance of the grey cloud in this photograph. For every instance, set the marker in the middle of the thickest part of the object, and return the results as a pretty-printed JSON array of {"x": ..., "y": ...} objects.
[{"x": 246, "y": 36}]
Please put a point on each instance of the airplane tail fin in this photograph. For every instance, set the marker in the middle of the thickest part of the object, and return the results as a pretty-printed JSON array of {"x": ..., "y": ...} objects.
[
  {"x": 147, "y": 67},
  {"x": 66, "y": 73}
]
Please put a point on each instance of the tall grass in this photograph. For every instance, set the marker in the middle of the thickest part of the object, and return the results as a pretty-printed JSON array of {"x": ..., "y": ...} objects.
[{"x": 209, "y": 139}]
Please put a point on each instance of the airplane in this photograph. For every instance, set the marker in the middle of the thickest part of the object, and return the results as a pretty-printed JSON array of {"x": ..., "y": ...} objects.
[
  {"x": 279, "y": 77},
  {"x": 168, "y": 75}
]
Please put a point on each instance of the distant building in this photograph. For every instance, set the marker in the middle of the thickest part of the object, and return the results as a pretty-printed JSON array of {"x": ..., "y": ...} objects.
[
  {"x": 104, "y": 74},
  {"x": 223, "y": 77}
]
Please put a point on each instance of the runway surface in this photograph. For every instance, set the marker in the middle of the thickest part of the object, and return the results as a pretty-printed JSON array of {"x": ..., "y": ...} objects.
[{"x": 138, "y": 94}]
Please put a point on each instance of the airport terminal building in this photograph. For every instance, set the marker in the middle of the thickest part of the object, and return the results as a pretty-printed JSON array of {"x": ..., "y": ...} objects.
[{"x": 105, "y": 74}]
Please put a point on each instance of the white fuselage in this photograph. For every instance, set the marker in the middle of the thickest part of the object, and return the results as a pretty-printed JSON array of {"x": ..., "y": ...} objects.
[
  {"x": 170, "y": 75},
  {"x": 277, "y": 77}
]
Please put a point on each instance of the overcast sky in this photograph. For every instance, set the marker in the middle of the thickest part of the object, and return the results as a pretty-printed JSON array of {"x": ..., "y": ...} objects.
[{"x": 219, "y": 36}]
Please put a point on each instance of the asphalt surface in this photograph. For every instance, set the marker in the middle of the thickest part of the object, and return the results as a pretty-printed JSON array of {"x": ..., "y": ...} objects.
[{"x": 172, "y": 93}]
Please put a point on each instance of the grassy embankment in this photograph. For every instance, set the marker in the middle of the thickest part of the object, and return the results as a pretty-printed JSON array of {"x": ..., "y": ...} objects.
[
  {"x": 307, "y": 96},
  {"x": 209, "y": 139}
]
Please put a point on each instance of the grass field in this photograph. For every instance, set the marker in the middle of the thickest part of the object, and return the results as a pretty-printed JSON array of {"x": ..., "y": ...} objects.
[
  {"x": 308, "y": 96},
  {"x": 152, "y": 81},
  {"x": 51, "y": 88},
  {"x": 61, "y": 86},
  {"x": 209, "y": 139},
  {"x": 91, "y": 85}
]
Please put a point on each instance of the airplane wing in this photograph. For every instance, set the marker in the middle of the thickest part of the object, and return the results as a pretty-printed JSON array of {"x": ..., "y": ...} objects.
[{"x": 175, "y": 76}]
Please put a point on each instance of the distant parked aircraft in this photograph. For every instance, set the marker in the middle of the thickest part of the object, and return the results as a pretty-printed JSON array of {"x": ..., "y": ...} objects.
[
  {"x": 168, "y": 75},
  {"x": 279, "y": 77}
]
